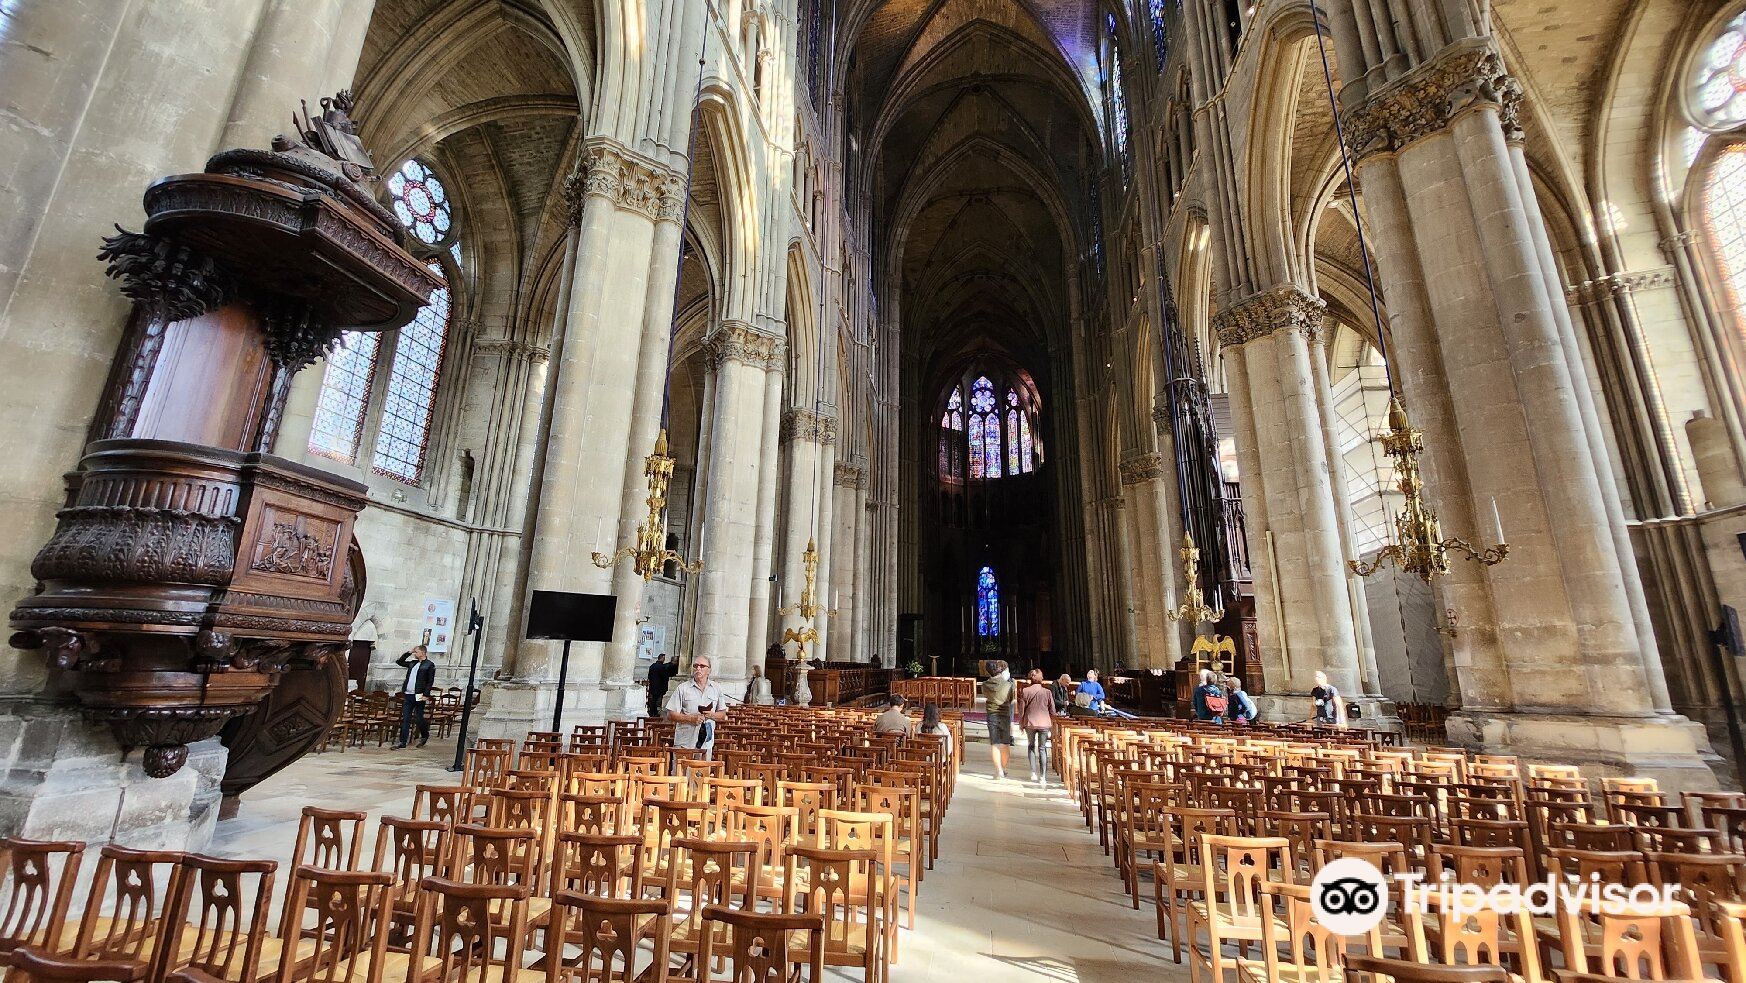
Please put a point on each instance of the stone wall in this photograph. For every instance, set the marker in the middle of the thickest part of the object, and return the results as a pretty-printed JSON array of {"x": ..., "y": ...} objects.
[{"x": 410, "y": 558}]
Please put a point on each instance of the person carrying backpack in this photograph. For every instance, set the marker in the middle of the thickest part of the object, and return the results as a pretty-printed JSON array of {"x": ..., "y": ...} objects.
[{"x": 1210, "y": 701}]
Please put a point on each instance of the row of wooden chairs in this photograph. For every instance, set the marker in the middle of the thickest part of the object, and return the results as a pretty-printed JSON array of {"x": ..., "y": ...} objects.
[{"x": 623, "y": 856}]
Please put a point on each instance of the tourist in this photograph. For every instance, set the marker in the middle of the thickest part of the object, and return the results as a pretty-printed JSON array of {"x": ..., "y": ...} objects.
[
  {"x": 1243, "y": 709},
  {"x": 1330, "y": 706},
  {"x": 420, "y": 677},
  {"x": 660, "y": 678},
  {"x": 696, "y": 706},
  {"x": 893, "y": 720},
  {"x": 997, "y": 692},
  {"x": 1062, "y": 689},
  {"x": 1210, "y": 701},
  {"x": 931, "y": 724},
  {"x": 1091, "y": 692},
  {"x": 1036, "y": 714},
  {"x": 758, "y": 689}
]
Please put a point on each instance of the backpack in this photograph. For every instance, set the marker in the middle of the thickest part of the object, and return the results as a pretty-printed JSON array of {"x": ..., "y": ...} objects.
[{"x": 1217, "y": 703}]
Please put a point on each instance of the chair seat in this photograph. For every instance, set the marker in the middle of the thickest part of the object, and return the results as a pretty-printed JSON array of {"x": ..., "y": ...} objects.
[
  {"x": 1286, "y": 972},
  {"x": 853, "y": 944}
]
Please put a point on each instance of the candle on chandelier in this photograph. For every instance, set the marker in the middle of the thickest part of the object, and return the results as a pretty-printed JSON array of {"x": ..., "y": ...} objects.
[{"x": 1496, "y": 523}]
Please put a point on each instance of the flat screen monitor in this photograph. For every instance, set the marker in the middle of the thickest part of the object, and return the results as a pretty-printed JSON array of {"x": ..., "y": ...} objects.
[{"x": 561, "y": 615}]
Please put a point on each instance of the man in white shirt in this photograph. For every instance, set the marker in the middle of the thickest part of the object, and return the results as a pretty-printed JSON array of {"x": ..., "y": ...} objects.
[{"x": 696, "y": 706}]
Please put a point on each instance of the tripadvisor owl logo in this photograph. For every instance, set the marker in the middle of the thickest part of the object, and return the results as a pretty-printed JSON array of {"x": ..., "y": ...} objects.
[{"x": 1349, "y": 896}]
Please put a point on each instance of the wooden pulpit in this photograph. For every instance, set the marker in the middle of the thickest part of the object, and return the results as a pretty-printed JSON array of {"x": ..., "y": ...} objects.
[{"x": 191, "y": 570}]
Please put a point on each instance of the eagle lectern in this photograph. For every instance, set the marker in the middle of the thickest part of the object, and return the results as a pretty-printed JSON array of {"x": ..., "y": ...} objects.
[{"x": 191, "y": 570}]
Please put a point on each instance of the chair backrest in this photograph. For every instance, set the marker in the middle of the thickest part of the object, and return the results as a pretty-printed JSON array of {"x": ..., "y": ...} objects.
[
  {"x": 487, "y": 855},
  {"x": 487, "y": 766},
  {"x": 1630, "y": 941},
  {"x": 448, "y": 804},
  {"x": 1705, "y": 880},
  {"x": 607, "y": 931},
  {"x": 761, "y": 948},
  {"x": 345, "y": 915},
  {"x": 1608, "y": 866},
  {"x": 1592, "y": 836},
  {"x": 603, "y": 865},
  {"x": 32, "y": 965},
  {"x": 1318, "y": 952},
  {"x": 218, "y": 920},
  {"x": 39, "y": 879},
  {"x": 134, "y": 889},
  {"x": 1485, "y": 866},
  {"x": 1235, "y": 867},
  {"x": 807, "y": 799},
  {"x": 411, "y": 850},
  {"x": 469, "y": 933},
  {"x": 1375, "y": 969},
  {"x": 331, "y": 838},
  {"x": 839, "y": 886},
  {"x": 598, "y": 814}
]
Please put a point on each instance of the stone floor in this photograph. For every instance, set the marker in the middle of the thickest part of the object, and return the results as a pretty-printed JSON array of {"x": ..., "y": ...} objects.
[{"x": 1021, "y": 890}]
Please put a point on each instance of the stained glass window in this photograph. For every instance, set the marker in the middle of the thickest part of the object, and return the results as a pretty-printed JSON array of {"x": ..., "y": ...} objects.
[
  {"x": 1159, "y": 43},
  {"x": 1719, "y": 79},
  {"x": 976, "y": 463},
  {"x": 1725, "y": 221},
  {"x": 987, "y": 603},
  {"x": 1012, "y": 432},
  {"x": 1118, "y": 101},
  {"x": 1025, "y": 442},
  {"x": 407, "y": 411},
  {"x": 338, "y": 428},
  {"x": 421, "y": 202},
  {"x": 952, "y": 437}
]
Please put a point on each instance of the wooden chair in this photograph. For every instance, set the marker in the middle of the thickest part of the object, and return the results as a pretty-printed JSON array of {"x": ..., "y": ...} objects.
[
  {"x": 331, "y": 838},
  {"x": 135, "y": 891},
  {"x": 707, "y": 873},
  {"x": 608, "y": 932},
  {"x": 217, "y": 922},
  {"x": 487, "y": 767},
  {"x": 1733, "y": 925},
  {"x": 469, "y": 933},
  {"x": 1311, "y": 953},
  {"x": 1233, "y": 907},
  {"x": 343, "y": 930},
  {"x": 1626, "y": 941},
  {"x": 844, "y": 889},
  {"x": 39, "y": 878},
  {"x": 763, "y": 948},
  {"x": 1487, "y": 937},
  {"x": 411, "y": 850},
  {"x": 1705, "y": 881},
  {"x": 907, "y": 846},
  {"x": 597, "y": 814},
  {"x": 1178, "y": 878}
]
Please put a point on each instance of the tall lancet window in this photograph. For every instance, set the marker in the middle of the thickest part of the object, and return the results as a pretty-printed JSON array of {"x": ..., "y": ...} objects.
[
  {"x": 408, "y": 397},
  {"x": 984, "y": 430},
  {"x": 1118, "y": 100},
  {"x": 406, "y": 413},
  {"x": 952, "y": 437},
  {"x": 987, "y": 603},
  {"x": 1716, "y": 101}
]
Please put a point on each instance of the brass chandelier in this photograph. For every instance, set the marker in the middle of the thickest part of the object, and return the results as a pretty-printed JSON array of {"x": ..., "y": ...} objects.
[
  {"x": 1194, "y": 610},
  {"x": 1419, "y": 547},
  {"x": 650, "y": 555}
]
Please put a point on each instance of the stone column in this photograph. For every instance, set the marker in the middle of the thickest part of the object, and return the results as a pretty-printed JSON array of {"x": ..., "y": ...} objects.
[
  {"x": 827, "y": 469},
  {"x": 764, "y": 540},
  {"x": 302, "y": 50},
  {"x": 588, "y": 449},
  {"x": 625, "y": 700},
  {"x": 742, "y": 357},
  {"x": 1287, "y": 468},
  {"x": 845, "y": 554},
  {"x": 1145, "y": 482},
  {"x": 1556, "y": 665},
  {"x": 864, "y": 630}
]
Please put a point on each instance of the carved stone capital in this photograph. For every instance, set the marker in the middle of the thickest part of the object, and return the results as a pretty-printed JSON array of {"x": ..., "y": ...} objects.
[
  {"x": 807, "y": 425},
  {"x": 1285, "y": 307},
  {"x": 1141, "y": 468},
  {"x": 511, "y": 348},
  {"x": 851, "y": 476},
  {"x": 633, "y": 182},
  {"x": 738, "y": 341},
  {"x": 1425, "y": 100},
  {"x": 1160, "y": 416}
]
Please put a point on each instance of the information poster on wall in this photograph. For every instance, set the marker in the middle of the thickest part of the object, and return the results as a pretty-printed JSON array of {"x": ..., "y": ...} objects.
[
  {"x": 439, "y": 624},
  {"x": 650, "y": 639}
]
